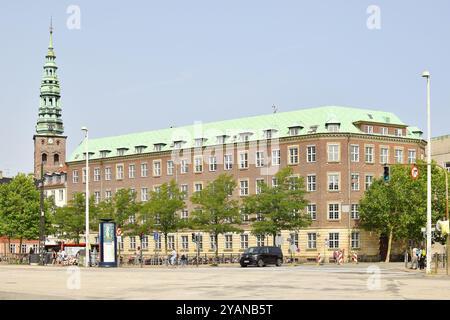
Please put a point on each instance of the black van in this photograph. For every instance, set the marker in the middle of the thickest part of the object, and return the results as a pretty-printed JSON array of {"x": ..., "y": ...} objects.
[{"x": 261, "y": 256}]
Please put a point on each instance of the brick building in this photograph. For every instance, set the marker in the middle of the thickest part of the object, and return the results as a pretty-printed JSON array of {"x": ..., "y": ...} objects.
[{"x": 337, "y": 150}]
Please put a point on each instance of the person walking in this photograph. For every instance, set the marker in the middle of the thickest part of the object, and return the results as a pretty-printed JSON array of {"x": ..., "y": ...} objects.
[
  {"x": 54, "y": 256},
  {"x": 183, "y": 260},
  {"x": 173, "y": 257},
  {"x": 414, "y": 258},
  {"x": 422, "y": 258}
]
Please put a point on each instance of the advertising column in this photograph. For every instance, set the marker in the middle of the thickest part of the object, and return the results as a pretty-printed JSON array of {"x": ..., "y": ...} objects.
[{"x": 108, "y": 244}]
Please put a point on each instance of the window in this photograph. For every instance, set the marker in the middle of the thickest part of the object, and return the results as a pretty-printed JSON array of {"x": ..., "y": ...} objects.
[
  {"x": 61, "y": 195},
  {"x": 170, "y": 167},
  {"x": 200, "y": 242},
  {"x": 157, "y": 189},
  {"x": 184, "y": 166},
  {"x": 369, "y": 154},
  {"x": 354, "y": 153},
  {"x": 311, "y": 154},
  {"x": 333, "y": 152},
  {"x": 384, "y": 131},
  {"x": 244, "y": 241},
  {"x": 245, "y": 136},
  {"x": 132, "y": 218},
  {"x": 398, "y": 132},
  {"x": 12, "y": 248},
  {"x": 23, "y": 248},
  {"x": 355, "y": 211},
  {"x": 178, "y": 144},
  {"x": 243, "y": 160},
  {"x": 121, "y": 243},
  {"x": 311, "y": 182},
  {"x": 171, "y": 242},
  {"x": 398, "y": 155},
  {"x": 199, "y": 142},
  {"x": 158, "y": 243},
  {"x": 184, "y": 214},
  {"x": 108, "y": 195},
  {"x": 333, "y": 211},
  {"x": 245, "y": 217},
  {"x": 259, "y": 159},
  {"x": 121, "y": 152},
  {"x": 259, "y": 217},
  {"x": 355, "y": 240},
  {"x": 144, "y": 170},
  {"x": 228, "y": 241},
  {"x": 198, "y": 187},
  {"x": 212, "y": 163},
  {"x": 221, "y": 139},
  {"x": 144, "y": 242},
  {"x": 96, "y": 174},
  {"x": 212, "y": 242},
  {"x": 259, "y": 183},
  {"x": 133, "y": 243},
  {"x": 268, "y": 134},
  {"x": 274, "y": 182},
  {"x": 159, "y": 146},
  {"x": 44, "y": 157},
  {"x": 276, "y": 157},
  {"x": 144, "y": 194},
  {"x": 84, "y": 175},
  {"x": 312, "y": 240},
  {"x": 355, "y": 181},
  {"x": 333, "y": 128},
  {"x": 157, "y": 168},
  {"x": 384, "y": 155},
  {"x": 119, "y": 172},
  {"x": 333, "y": 181},
  {"x": 411, "y": 156},
  {"x": 131, "y": 171},
  {"x": 75, "y": 176},
  {"x": 97, "y": 197},
  {"x": 369, "y": 180},
  {"x": 333, "y": 240},
  {"x": 139, "y": 149},
  {"x": 104, "y": 153},
  {"x": 198, "y": 161},
  {"x": 243, "y": 187},
  {"x": 184, "y": 189},
  {"x": 108, "y": 174},
  {"x": 293, "y": 155},
  {"x": 294, "y": 131},
  {"x": 260, "y": 239},
  {"x": 312, "y": 211},
  {"x": 228, "y": 162},
  {"x": 185, "y": 242},
  {"x": 369, "y": 129}
]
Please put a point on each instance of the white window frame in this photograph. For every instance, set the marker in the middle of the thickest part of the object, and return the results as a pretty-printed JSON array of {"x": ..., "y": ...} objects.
[
  {"x": 212, "y": 163},
  {"x": 108, "y": 174},
  {"x": 293, "y": 158},
  {"x": 157, "y": 164},
  {"x": 369, "y": 157},
  {"x": 355, "y": 240},
  {"x": 355, "y": 186},
  {"x": 311, "y": 184},
  {"x": 312, "y": 240},
  {"x": 311, "y": 153},
  {"x": 144, "y": 170},
  {"x": 354, "y": 211},
  {"x": 333, "y": 240},
  {"x": 243, "y": 161},
  {"x": 412, "y": 160},
  {"x": 144, "y": 194},
  {"x": 132, "y": 171},
  {"x": 170, "y": 166},
  {"x": 198, "y": 164},
  {"x": 244, "y": 190},
  {"x": 354, "y": 153},
  {"x": 311, "y": 209},
  {"x": 332, "y": 181},
  {"x": 120, "y": 173},
  {"x": 184, "y": 166},
  {"x": 396, "y": 158},
  {"x": 332, "y": 154},
  {"x": 331, "y": 212},
  {"x": 383, "y": 156},
  {"x": 276, "y": 157},
  {"x": 259, "y": 155},
  {"x": 366, "y": 183},
  {"x": 75, "y": 177},
  {"x": 228, "y": 162}
]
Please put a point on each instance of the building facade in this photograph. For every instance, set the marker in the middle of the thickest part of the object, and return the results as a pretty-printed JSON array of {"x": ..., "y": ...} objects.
[
  {"x": 337, "y": 150},
  {"x": 440, "y": 151}
]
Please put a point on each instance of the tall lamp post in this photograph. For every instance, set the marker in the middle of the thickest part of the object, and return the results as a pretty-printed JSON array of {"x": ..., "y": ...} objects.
[
  {"x": 87, "y": 196},
  {"x": 426, "y": 74},
  {"x": 41, "y": 218}
]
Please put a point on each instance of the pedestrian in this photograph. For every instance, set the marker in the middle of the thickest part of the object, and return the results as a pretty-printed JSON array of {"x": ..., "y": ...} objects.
[
  {"x": 173, "y": 257},
  {"x": 183, "y": 260},
  {"x": 422, "y": 259},
  {"x": 54, "y": 256},
  {"x": 136, "y": 258},
  {"x": 414, "y": 258}
]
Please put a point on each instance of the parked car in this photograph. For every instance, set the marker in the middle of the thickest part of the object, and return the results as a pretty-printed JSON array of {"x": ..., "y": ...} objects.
[{"x": 262, "y": 256}]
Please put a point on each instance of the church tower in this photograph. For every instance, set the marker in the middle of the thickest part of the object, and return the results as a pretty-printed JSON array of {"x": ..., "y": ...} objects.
[{"x": 49, "y": 139}]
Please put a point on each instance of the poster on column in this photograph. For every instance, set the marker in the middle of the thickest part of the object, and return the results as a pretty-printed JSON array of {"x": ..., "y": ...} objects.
[{"x": 108, "y": 242}]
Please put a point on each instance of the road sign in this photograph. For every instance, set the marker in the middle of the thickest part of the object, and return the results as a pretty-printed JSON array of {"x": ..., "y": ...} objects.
[
  {"x": 119, "y": 232},
  {"x": 414, "y": 172}
]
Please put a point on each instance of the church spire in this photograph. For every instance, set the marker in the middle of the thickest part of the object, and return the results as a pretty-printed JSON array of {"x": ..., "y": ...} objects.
[{"x": 50, "y": 119}]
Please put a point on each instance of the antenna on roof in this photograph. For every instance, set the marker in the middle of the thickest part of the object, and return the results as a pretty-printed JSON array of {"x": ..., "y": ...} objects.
[{"x": 275, "y": 108}]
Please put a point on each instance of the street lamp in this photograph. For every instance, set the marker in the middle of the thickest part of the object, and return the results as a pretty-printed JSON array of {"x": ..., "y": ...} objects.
[
  {"x": 42, "y": 217},
  {"x": 86, "y": 138},
  {"x": 426, "y": 74}
]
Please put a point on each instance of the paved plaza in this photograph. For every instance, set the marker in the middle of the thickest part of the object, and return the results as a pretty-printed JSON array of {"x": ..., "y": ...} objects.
[{"x": 362, "y": 281}]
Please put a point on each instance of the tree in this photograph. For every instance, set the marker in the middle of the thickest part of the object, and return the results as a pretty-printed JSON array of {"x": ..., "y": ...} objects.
[
  {"x": 216, "y": 211},
  {"x": 397, "y": 209},
  {"x": 70, "y": 221},
  {"x": 281, "y": 206},
  {"x": 20, "y": 209},
  {"x": 161, "y": 211}
]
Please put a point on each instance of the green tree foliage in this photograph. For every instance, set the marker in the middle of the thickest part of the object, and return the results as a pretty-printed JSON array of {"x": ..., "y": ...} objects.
[
  {"x": 70, "y": 221},
  {"x": 282, "y": 206},
  {"x": 216, "y": 212},
  {"x": 161, "y": 211},
  {"x": 20, "y": 209},
  {"x": 398, "y": 208}
]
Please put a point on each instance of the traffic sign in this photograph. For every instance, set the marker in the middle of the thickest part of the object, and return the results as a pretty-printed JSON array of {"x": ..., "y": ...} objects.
[
  {"x": 119, "y": 232},
  {"x": 414, "y": 172}
]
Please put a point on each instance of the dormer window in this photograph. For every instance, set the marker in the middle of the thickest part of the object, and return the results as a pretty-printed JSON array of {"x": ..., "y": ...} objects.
[
  {"x": 158, "y": 146},
  {"x": 178, "y": 144},
  {"x": 369, "y": 129},
  {"x": 245, "y": 136},
  {"x": 398, "y": 132},
  {"x": 104, "y": 153},
  {"x": 333, "y": 124},
  {"x": 199, "y": 142},
  {"x": 121, "y": 151},
  {"x": 140, "y": 149},
  {"x": 222, "y": 139},
  {"x": 269, "y": 133},
  {"x": 384, "y": 131},
  {"x": 91, "y": 154},
  {"x": 333, "y": 127}
]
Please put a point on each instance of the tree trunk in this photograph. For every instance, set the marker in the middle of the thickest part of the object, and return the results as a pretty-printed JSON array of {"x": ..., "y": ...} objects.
[
  {"x": 274, "y": 237},
  {"x": 9, "y": 247},
  {"x": 165, "y": 243},
  {"x": 389, "y": 245}
]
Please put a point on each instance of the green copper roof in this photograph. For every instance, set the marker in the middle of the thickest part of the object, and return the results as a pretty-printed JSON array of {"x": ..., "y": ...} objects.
[
  {"x": 312, "y": 120},
  {"x": 50, "y": 118}
]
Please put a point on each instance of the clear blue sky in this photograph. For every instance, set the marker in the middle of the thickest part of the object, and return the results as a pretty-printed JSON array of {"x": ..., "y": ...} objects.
[{"x": 142, "y": 65}]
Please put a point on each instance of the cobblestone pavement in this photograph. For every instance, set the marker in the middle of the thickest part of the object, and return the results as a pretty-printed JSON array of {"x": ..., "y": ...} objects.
[{"x": 362, "y": 281}]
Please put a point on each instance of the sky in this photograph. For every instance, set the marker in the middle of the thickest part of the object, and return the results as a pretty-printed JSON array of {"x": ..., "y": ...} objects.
[{"x": 130, "y": 66}]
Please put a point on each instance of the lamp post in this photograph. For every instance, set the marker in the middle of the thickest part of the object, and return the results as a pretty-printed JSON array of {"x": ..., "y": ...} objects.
[
  {"x": 41, "y": 218},
  {"x": 86, "y": 138},
  {"x": 426, "y": 74}
]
